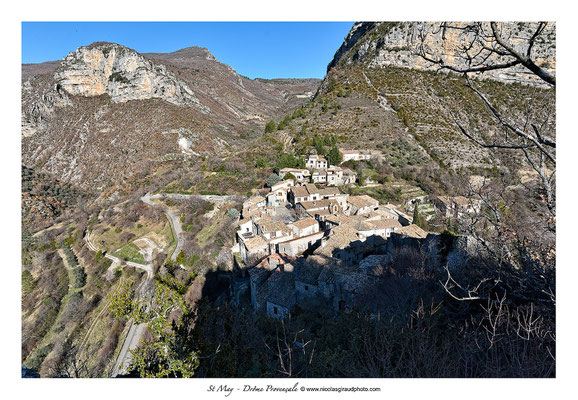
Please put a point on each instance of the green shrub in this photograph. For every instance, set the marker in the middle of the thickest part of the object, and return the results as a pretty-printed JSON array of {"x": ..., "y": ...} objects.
[
  {"x": 272, "y": 179},
  {"x": 270, "y": 127},
  {"x": 233, "y": 213},
  {"x": 28, "y": 282},
  {"x": 78, "y": 277}
]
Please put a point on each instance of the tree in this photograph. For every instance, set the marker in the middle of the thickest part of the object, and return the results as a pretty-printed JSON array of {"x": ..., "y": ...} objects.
[
  {"x": 270, "y": 127},
  {"x": 514, "y": 229},
  {"x": 180, "y": 258},
  {"x": 169, "y": 353},
  {"x": 289, "y": 176},
  {"x": 334, "y": 156},
  {"x": 318, "y": 144},
  {"x": 417, "y": 220},
  {"x": 233, "y": 213},
  {"x": 260, "y": 162},
  {"x": 272, "y": 179},
  {"x": 489, "y": 47}
]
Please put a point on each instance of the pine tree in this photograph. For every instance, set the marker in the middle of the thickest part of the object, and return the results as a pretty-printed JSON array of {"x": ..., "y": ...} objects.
[
  {"x": 334, "y": 156},
  {"x": 417, "y": 220},
  {"x": 270, "y": 127}
]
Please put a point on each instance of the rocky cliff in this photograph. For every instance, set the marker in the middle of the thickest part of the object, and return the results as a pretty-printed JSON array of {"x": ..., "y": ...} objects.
[
  {"x": 105, "y": 112},
  {"x": 395, "y": 44},
  {"x": 123, "y": 74}
]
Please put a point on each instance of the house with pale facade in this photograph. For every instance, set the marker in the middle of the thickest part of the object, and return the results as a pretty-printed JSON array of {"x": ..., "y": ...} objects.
[
  {"x": 378, "y": 227},
  {"x": 361, "y": 205},
  {"x": 355, "y": 155},
  {"x": 456, "y": 206},
  {"x": 278, "y": 195},
  {"x": 254, "y": 203},
  {"x": 316, "y": 162},
  {"x": 307, "y": 192},
  {"x": 301, "y": 175},
  {"x": 319, "y": 176},
  {"x": 318, "y": 209}
]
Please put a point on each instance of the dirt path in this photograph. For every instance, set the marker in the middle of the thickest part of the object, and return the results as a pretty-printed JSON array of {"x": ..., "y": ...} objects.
[{"x": 115, "y": 260}]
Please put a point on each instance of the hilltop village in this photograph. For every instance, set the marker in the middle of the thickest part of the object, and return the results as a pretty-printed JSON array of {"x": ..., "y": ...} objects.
[{"x": 305, "y": 239}]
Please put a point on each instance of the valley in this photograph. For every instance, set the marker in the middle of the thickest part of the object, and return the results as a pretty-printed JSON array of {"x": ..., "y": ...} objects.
[{"x": 180, "y": 219}]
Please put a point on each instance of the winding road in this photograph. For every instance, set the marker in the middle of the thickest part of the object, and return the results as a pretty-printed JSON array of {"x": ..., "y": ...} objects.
[
  {"x": 175, "y": 221},
  {"x": 135, "y": 331},
  {"x": 115, "y": 260}
]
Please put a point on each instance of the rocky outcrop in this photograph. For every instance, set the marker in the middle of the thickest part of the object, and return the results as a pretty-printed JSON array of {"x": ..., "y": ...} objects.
[
  {"x": 123, "y": 74},
  {"x": 380, "y": 44},
  {"x": 39, "y": 104}
]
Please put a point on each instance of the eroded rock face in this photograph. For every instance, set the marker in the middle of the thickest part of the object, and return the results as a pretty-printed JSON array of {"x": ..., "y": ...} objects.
[
  {"x": 380, "y": 44},
  {"x": 123, "y": 74}
]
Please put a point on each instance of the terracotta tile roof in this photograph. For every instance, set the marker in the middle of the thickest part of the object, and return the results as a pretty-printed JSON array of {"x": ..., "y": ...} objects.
[
  {"x": 330, "y": 191},
  {"x": 339, "y": 238},
  {"x": 305, "y": 223},
  {"x": 311, "y": 188},
  {"x": 308, "y": 273},
  {"x": 412, "y": 231},
  {"x": 380, "y": 224},
  {"x": 258, "y": 275},
  {"x": 281, "y": 289},
  {"x": 311, "y": 205},
  {"x": 267, "y": 225},
  {"x": 254, "y": 243},
  {"x": 341, "y": 219},
  {"x": 254, "y": 200},
  {"x": 300, "y": 191},
  {"x": 326, "y": 275},
  {"x": 362, "y": 201}
]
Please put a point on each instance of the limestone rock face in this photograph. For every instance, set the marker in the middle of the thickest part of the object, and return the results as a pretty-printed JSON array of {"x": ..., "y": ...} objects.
[
  {"x": 380, "y": 44},
  {"x": 123, "y": 74}
]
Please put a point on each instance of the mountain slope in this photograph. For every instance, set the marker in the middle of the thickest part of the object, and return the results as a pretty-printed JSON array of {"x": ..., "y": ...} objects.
[
  {"x": 378, "y": 95},
  {"x": 107, "y": 112}
]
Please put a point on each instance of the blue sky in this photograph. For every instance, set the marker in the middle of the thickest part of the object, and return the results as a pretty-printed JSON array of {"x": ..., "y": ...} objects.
[{"x": 254, "y": 49}]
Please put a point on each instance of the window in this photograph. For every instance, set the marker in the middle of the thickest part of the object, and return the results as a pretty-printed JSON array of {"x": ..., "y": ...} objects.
[
  {"x": 306, "y": 287},
  {"x": 275, "y": 310}
]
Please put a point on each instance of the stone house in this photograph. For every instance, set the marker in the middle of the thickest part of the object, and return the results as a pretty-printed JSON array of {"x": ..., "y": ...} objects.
[
  {"x": 304, "y": 227},
  {"x": 319, "y": 176},
  {"x": 316, "y": 162},
  {"x": 300, "y": 244},
  {"x": 318, "y": 209},
  {"x": 334, "y": 176},
  {"x": 378, "y": 227},
  {"x": 333, "y": 193},
  {"x": 456, "y": 206},
  {"x": 361, "y": 205},
  {"x": 277, "y": 288},
  {"x": 301, "y": 175},
  {"x": 307, "y": 192},
  {"x": 252, "y": 248},
  {"x": 349, "y": 176},
  {"x": 273, "y": 232},
  {"x": 280, "y": 297},
  {"x": 254, "y": 203},
  {"x": 278, "y": 195}
]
